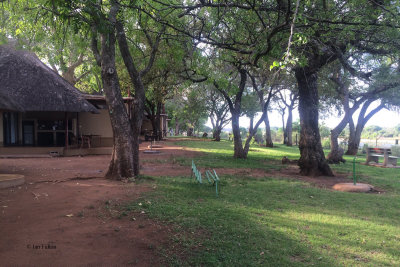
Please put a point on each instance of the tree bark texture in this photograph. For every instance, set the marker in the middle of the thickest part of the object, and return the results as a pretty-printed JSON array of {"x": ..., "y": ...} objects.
[
  {"x": 289, "y": 126},
  {"x": 137, "y": 82},
  {"x": 136, "y": 121},
  {"x": 283, "y": 128},
  {"x": 122, "y": 159},
  {"x": 237, "y": 139},
  {"x": 312, "y": 161},
  {"x": 268, "y": 136},
  {"x": 355, "y": 132},
  {"x": 235, "y": 109},
  {"x": 121, "y": 165},
  {"x": 139, "y": 91},
  {"x": 354, "y": 143},
  {"x": 177, "y": 125},
  {"x": 336, "y": 154},
  {"x": 217, "y": 134}
]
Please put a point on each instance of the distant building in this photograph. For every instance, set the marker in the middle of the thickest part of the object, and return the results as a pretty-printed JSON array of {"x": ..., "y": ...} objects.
[{"x": 41, "y": 110}]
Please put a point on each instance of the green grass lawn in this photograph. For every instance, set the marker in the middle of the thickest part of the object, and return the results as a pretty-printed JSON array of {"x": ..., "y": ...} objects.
[{"x": 275, "y": 222}]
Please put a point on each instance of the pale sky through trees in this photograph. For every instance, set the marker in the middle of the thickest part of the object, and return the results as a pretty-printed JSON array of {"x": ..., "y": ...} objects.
[{"x": 383, "y": 118}]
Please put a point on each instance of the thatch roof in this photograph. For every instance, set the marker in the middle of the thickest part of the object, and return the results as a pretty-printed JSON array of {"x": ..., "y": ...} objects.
[
  {"x": 99, "y": 101},
  {"x": 35, "y": 87},
  {"x": 7, "y": 103}
]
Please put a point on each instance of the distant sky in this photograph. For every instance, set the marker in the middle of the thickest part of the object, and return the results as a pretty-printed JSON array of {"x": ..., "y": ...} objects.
[{"x": 383, "y": 118}]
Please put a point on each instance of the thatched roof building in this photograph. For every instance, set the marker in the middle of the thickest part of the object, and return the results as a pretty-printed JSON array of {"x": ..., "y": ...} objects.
[
  {"x": 28, "y": 83},
  {"x": 7, "y": 103}
]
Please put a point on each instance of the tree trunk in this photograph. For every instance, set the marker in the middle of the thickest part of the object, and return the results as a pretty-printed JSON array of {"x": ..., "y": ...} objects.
[
  {"x": 355, "y": 138},
  {"x": 235, "y": 109},
  {"x": 289, "y": 126},
  {"x": 217, "y": 134},
  {"x": 158, "y": 132},
  {"x": 122, "y": 163},
  {"x": 283, "y": 128},
  {"x": 355, "y": 135},
  {"x": 268, "y": 136},
  {"x": 312, "y": 161},
  {"x": 237, "y": 139},
  {"x": 137, "y": 120},
  {"x": 136, "y": 79},
  {"x": 177, "y": 124},
  {"x": 353, "y": 145},
  {"x": 336, "y": 154}
]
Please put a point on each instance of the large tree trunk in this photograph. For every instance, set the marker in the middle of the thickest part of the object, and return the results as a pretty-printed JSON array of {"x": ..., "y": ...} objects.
[
  {"x": 353, "y": 145},
  {"x": 235, "y": 109},
  {"x": 355, "y": 137},
  {"x": 237, "y": 139},
  {"x": 137, "y": 121},
  {"x": 312, "y": 160},
  {"x": 153, "y": 125},
  {"x": 336, "y": 154},
  {"x": 122, "y": 160},
  {"x": 283, "y": 128},
  {"x": 177, "y": 124},
  {"x": 289, "y": 127},
  {"x": 355, "y": 134},
  {"x": 136, "y": 79},
  {"x": 217, "y": 134},
  {"x": 268, "y": 136},
  {"x": 122, "y": 163},
  {"x": 140, "y": 98}
]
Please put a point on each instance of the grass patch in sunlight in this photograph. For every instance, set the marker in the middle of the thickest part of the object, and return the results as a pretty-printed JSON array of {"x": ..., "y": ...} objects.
[{"x": 275, "y": 222}]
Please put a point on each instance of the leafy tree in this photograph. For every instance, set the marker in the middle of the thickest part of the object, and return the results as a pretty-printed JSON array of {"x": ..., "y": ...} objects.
[
  {"x": 107, "y": 23},
  {"x": 249, "y": 108},
  {"x": 236, "y": 38},
  {"x": 260, "y": 81},
  {"x": 286, "y": 100},
  {"x": 324, "y": 131},
  {"x": 289, "y": 99},
  {"x": 327, "y": 33},
  {"x": 218, "y": 112},
  {"x": 188, "y": 109},
  {"x": 383, "y": 88},
  {"x": 63, "y": 47}
]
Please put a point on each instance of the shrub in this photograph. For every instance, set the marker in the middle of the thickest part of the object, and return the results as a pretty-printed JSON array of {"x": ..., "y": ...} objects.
[{"x": 326, "y": 143}]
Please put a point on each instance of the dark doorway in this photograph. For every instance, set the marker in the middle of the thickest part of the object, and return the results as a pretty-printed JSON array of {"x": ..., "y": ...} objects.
[
  {"x": 28, "y": 133},
  {"x": 10, "y": 126}
]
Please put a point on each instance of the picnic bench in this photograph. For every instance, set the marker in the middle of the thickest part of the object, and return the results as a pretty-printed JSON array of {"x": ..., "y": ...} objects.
[{"x": 373, "y": 154}]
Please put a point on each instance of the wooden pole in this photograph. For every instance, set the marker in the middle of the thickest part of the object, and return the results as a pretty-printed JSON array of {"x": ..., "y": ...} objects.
[{"x": 66, "y": 130}]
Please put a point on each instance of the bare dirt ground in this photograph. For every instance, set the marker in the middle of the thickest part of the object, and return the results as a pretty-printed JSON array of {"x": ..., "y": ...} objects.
[{"x": 60, "y": 218}]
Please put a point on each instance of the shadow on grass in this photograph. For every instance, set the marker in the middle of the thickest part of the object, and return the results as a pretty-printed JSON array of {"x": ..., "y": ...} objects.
[{"x": 274, "y": 223}]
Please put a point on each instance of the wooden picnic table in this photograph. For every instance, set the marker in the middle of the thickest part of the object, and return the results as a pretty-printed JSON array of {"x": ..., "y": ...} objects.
[{"x": 374, "y": 153}]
